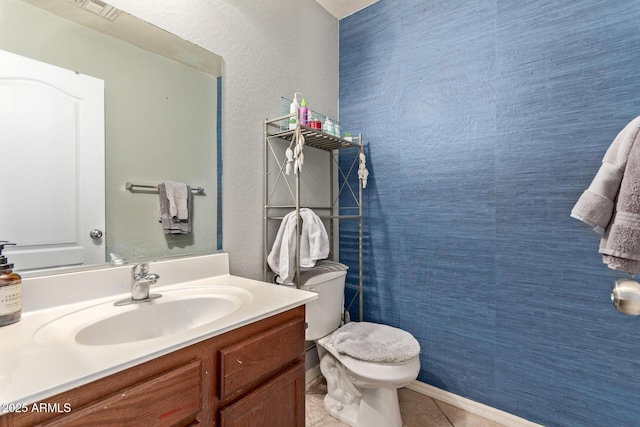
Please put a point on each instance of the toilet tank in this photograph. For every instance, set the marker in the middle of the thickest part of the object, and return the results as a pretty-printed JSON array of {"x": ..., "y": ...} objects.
[{"x": 325, "y": 313}]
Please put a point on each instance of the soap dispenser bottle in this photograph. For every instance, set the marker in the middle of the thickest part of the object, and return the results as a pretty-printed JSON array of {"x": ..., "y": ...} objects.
[
  {"x": 10, "y": 291},
  {"x": 294, "y": 108}
]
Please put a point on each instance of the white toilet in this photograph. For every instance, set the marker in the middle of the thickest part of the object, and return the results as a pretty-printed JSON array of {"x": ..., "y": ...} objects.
[{"x": 361, "y": 393}]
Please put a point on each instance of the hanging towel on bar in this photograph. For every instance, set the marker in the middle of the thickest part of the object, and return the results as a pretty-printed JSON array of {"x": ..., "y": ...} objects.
[
  {"x": 611, "y": 204},
  {"x": 171, "y": 224},
  {"x": 314, "y": 245},
  {"x": 178, "y": 194}
]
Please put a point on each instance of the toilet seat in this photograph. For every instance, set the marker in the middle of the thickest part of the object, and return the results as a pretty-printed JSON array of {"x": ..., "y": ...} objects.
[
  {"x": 375, "y": 343},
  {"x": 399, "y": 373}
]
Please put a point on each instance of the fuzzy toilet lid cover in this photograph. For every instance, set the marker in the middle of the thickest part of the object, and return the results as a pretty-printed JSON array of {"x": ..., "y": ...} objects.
[{"x": 373, "y": 342}]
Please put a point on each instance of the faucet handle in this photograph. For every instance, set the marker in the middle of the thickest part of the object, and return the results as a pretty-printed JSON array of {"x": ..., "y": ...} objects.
[
  {"x": 140, "y": 269},
  {"x": 151, "y": 278}
]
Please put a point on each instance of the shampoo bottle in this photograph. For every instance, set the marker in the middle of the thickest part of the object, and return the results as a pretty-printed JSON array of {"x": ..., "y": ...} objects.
[
  {"x": 10, "y": 291},
  {"x": 304, "y": 113}
]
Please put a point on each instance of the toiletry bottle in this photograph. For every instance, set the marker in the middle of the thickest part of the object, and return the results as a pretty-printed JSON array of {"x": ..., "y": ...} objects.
[
  {"x": 294, "y": 108},
  {"x": 327, "y": 126},
  {"x": 10, "y": 291},
  {"x": 314, "y": 121},
  {"x": 304, "y": 111},
  {"x": 316, "y": 124}
]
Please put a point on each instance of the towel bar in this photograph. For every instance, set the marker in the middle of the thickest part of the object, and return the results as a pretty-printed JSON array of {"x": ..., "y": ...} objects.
[{"x": 131, "y": 186}]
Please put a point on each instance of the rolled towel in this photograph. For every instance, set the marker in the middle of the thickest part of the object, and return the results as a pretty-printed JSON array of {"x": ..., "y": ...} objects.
[{"x": 594, "y": 210}]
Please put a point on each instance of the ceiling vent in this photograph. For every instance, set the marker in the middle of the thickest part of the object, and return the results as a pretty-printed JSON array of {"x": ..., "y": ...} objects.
[{"x": 99, "y": 8}]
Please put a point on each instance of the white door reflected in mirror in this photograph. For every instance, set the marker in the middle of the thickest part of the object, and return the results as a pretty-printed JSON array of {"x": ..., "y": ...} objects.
[{"x": 52, "y": 127}]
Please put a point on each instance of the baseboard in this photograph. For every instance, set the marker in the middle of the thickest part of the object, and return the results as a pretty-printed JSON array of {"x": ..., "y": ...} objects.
[
  {"x": 311, "y": 374},
  {"x": 468, "y": 405},
  {"x": 471, "y": 406}
]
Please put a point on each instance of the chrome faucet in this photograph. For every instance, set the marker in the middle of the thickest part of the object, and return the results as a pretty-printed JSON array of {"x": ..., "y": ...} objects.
[{"x": 141, "y": 279}]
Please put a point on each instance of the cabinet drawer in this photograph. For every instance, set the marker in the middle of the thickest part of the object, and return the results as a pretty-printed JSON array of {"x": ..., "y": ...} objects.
[
  {"x": 253, "y": 360},
  {"x": 145, "y": 403},
  {"x": 279, "y": 402}
]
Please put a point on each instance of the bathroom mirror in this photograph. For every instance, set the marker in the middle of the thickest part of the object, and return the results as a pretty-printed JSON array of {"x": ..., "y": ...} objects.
[{"x": 162, "y": 122}]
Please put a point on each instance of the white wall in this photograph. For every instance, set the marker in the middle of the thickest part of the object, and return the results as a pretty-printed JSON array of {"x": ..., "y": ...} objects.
[{"x": 271, "y": 48}]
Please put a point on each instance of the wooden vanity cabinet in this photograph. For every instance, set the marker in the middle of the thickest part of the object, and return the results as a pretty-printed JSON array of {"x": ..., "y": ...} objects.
[{"x": 253, "y": 375}]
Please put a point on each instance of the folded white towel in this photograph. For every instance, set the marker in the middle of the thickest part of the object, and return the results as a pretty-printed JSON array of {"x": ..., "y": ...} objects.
[
  {"x": 177, "y": 194},
  {"x": 314, "y": 245}
]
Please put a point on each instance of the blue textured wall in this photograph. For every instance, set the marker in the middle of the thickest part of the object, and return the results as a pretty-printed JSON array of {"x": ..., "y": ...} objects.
[{"x": 484, "y": 122}]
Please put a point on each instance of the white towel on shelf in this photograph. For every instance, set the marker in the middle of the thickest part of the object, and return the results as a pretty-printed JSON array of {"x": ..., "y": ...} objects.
[
  {"x": 282, "y": 257},
  {"x": 178, "y": 195},
  {"x": 314, "y": 245},
  {"x": 314, "y": 240}
]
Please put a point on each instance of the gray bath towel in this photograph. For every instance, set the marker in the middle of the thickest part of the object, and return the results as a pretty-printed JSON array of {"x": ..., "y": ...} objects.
[
  {"x": 611, "y": 204},
  {"x": 372, "y": 342}
]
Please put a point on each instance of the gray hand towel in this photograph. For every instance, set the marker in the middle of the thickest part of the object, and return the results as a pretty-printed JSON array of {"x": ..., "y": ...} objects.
[
  {"x": 169, "y": 224},
  {"x": 611, "y": 204},
  {"x": 178, "y": 196}
]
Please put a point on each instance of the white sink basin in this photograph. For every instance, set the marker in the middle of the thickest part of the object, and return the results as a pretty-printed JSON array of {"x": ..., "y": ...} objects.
[{"x": 176, "y": 311}]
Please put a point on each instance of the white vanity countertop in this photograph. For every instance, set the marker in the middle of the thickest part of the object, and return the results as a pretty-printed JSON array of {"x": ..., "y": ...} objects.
[{"x": 32, "y": 370}]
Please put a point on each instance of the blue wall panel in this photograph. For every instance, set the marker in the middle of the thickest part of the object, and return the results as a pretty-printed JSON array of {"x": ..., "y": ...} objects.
[{"x": 483, "y": 123}]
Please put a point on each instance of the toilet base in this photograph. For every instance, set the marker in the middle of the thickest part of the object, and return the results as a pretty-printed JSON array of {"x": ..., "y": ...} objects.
[
  {"x": 345, "y": 413},
  {"x": 378, "y": 407}
]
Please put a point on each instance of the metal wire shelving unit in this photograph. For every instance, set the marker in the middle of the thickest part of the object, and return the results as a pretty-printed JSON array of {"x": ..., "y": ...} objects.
[{"x": 277, "y": 183}]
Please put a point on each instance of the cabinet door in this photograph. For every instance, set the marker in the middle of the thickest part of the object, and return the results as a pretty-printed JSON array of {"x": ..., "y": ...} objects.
[
  {"x": 247, "y": 363},
  {"x": 280, "y": 402},
  {"x": 170, "y": 399}
]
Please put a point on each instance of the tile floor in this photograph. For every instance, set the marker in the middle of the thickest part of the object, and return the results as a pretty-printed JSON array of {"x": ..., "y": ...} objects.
[{"x": 417, "y": 410}]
